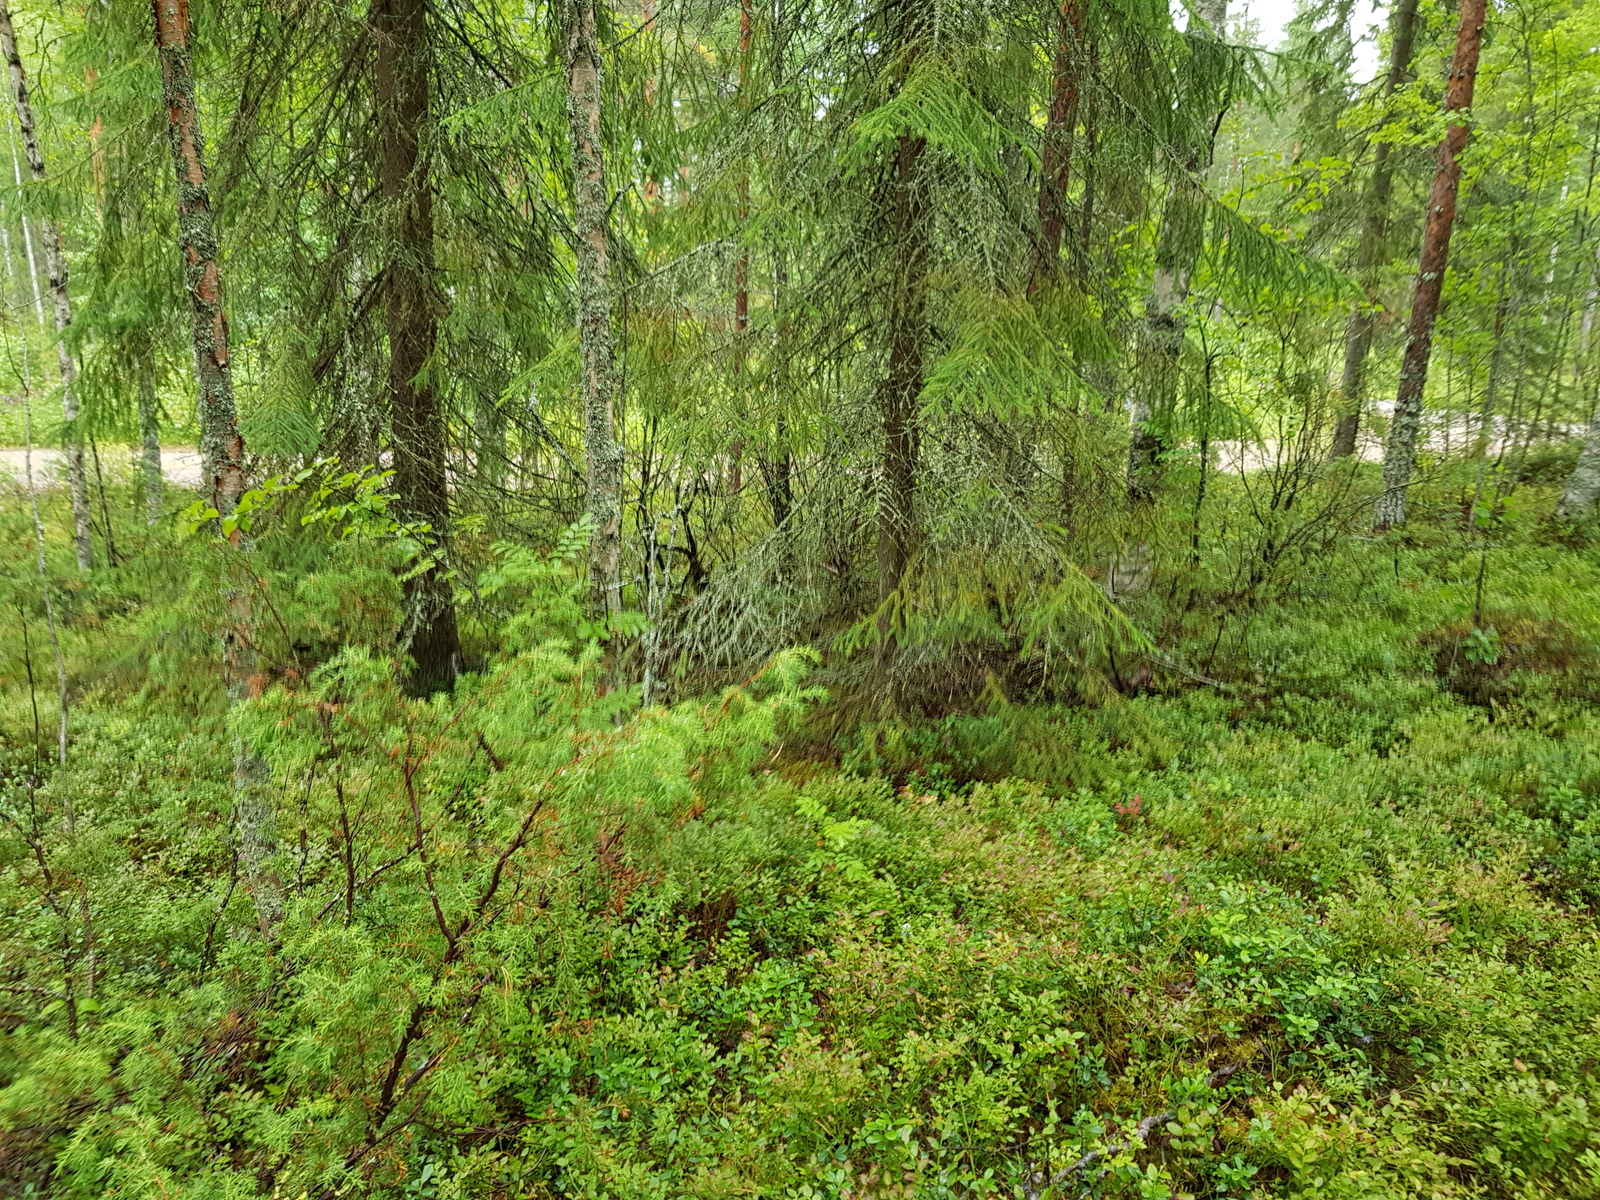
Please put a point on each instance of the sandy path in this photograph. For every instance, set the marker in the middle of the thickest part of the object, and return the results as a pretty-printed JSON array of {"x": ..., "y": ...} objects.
[{"x": 180, "y": 465}]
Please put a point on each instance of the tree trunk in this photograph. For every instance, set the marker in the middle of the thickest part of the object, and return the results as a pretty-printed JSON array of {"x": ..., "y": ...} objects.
[
  {"x": 27, "y": 236},
  {"x": 56, "y": 266},
  {"x": 150, "y": 439},
  {"x": 780, "y": 470},
  {"x": 411, "y": 310},
  {"x": 904, "y": 210},
  {"x": 221, "y": 446},
  {"x": 580, "y": 57},
  {"x": 1369, "y": 258},
  {"x": 1160, "y": 338},
  {"x": 778, "y": 460},
  {"x": 1401, "y": 447},
  {"x": 1055, "y": 155},
  {"x": 1583, "y": 486},
  {"x": 741, "y": 266},
  {"x": 902, "y": 383}
]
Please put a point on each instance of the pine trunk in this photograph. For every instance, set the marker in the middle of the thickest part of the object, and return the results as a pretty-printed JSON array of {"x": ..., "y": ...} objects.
[
  {"x": 580, "y": 57},
  {"x": 411, "y": 311},
  {"x": 221, "y": 446},
  {"x": 1374, "y": 228},
  {"x": 1400, "y": 449},
  {"x": 56, "y": 268},
  {"x": 1055, "y": 155},
  {"x": 1160, "y": 338}
]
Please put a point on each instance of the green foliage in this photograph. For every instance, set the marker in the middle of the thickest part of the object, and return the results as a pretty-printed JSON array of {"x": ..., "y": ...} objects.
[
  {"x": 1330, "y": 925},
  {"x": 1199, "y": 846}
]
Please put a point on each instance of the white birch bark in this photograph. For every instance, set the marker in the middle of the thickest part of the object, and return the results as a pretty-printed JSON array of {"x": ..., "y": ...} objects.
[{"x": 56, "y": 264}]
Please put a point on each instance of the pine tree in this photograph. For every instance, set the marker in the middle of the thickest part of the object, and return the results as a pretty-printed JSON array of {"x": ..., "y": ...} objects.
[
  {"x": 904, "y": 209},
  {"x": 221, "y": 445},
  {"x": 1055, "y": 156},
  {"x": 1400, "y": 449}
]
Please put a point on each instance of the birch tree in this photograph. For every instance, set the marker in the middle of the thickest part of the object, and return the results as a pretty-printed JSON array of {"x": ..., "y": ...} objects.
[
  {"x": 56, "y": 268},
  {"x": 1374, "y": 230},
  {"x": 1178, "y": 245}
]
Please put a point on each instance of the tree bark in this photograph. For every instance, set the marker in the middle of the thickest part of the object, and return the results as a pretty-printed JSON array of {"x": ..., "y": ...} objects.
[
  {"x": 778, "y": 460},
  {"x": 56, "y": 267},
  {"x": 1160, "y": 338},
  {"x": 411, "y": 311},
  {"x": 221, "y": 445},
  {"x": 1583, "y": 485},
  {"x": 741, "y": 266},
  {"x": 1400, "y": 449},
  {"x": 904, "y": 210},
  {"x": 27, "y": 236},
  {"x": 780, "y": 469},
  {"x": 902, "y": 383},
  {"x": 150, "y": 445},
  {"x": 1374, "y": 228},
  {"x": 580, "y": 58},
  {"x": 1055, "y": 154}
]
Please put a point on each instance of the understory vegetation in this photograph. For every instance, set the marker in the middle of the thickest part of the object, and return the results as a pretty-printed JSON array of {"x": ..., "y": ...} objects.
[{"x": 1325, "y": 916}]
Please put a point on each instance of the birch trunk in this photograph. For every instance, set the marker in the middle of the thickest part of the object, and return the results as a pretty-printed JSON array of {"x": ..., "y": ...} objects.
[
  {"x": 411, "y": 309},
  {"x": 1160, "y": 338},
  {"x": 580, "y": 58},
  {"x": 1583, "y": 485},
  {"x": 27, "y": 236},
  {"x": 56, "y": 267},
  {"x": 1374, "y": 228},
  {"x": 221, "y": 445},
  {"x": 1400, "y": 449}
]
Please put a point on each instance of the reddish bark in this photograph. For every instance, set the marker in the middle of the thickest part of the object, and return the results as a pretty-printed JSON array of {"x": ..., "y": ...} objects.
[
  {"x": 1055, "y": 154},
  {"x": 1402, "y": 443},
  {"x": 221, "y": 446}
]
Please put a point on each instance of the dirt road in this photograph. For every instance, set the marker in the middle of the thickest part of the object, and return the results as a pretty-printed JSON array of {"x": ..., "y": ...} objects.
[{"x": 179, "y": 464}]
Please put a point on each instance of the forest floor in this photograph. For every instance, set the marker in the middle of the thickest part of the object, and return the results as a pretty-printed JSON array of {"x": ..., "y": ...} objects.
[{"x": 1325, "y": 931}]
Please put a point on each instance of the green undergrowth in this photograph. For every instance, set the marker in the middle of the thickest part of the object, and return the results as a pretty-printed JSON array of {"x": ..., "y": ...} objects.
[{"x": 1320, "y": 927}]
